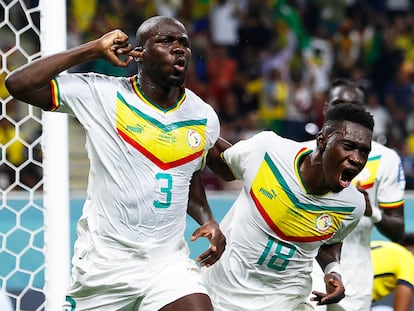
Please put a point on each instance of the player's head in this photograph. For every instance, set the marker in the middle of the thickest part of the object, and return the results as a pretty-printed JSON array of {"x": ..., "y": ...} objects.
[
  {"x": 344, "y": 90},
  {"x": 349, "y": 111},
  {"x": 344, "y": 142},
  {"x": 164, "y": 51}
]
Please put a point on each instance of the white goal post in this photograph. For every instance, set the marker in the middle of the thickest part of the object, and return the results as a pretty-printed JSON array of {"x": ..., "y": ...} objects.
[
  {"x": 55, "y": 167},
  {"x": 34, "y": 218}
]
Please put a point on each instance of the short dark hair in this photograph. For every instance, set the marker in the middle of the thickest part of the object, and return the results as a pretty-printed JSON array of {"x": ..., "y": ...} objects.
[
  {"x": 145, "y": 29},
  {"x": 342, "y": 90},
  {"x": 350, "y": 112}
]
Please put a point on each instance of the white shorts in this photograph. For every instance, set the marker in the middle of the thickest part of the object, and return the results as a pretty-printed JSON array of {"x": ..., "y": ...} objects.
[
  {"x": 131, "y": 282},
  {"x": 233, "y": 304},
  {"x": 226, "y": 297}
]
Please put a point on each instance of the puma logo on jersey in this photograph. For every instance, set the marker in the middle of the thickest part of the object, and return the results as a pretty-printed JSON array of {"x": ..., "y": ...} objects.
[
  {"x": 269, "y": 194},
  {"x": 135, "y": 129}
]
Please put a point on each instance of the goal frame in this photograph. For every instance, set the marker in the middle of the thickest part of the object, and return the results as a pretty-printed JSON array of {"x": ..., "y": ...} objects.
[{"x": 55, "y": 167}]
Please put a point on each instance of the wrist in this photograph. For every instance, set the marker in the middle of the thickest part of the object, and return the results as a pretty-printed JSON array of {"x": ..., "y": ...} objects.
[
  {"x": 376, "y": 216},
  {"x": 333, "y": 267}
]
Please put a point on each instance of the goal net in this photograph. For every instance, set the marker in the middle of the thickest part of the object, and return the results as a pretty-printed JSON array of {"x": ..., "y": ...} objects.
[{"x": 34, "y": 234}]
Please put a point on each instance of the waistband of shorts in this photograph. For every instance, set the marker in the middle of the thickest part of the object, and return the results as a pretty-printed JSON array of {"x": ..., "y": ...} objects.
[{"x": 115, "y": 249}]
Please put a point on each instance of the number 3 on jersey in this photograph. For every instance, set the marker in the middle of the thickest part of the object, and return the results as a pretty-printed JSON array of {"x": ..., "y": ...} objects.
[
  {"x": 283, "y": 252},
  {"x": 165, "y": 181}
]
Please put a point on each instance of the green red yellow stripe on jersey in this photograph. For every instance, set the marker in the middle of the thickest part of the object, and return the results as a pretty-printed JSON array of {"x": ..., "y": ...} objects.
[
  {"x": 166, "y": 145},
  {"x": 302, "y": 152},
  {"x": 141, "y": 95},
  {"x": 291, "y": 219},
  {"x": 366, "y": 178},
  {"x": 390, "y": 205},
  {"x": 55, "y": 94}
]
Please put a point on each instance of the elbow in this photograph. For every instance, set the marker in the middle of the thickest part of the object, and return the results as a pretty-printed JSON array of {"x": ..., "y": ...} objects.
[
  {"x": 396, "y": 234},
  {"x": 9, "y": 84},
  {"x": 21, "y": 89},
  {"x": 12, "y": 85},
  {"x": 222, "y": 171},
  {"x": 228, "y": 177}
]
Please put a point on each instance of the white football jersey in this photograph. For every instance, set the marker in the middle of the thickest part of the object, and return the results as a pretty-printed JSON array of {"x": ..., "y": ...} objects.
[
  {"x": 141, "y": 157},
  {"x": 275, "y": 228},
  {"x": 383, "y": 179}
]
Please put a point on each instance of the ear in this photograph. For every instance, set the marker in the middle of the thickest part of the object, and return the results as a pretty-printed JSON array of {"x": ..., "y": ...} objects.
[{"x": 320, "y": 141}]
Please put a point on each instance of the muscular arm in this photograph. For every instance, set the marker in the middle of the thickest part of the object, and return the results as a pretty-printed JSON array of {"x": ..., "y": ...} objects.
[
  {"x": 31, "y": 82},
  {"x": 402, "y": 298},
  {"x": 329, "y": 253},
  {"x": 199, "y": 209},
  {"x": 335, "y": 290},
  {"x": 215, "y": 161},
  {"x": 392, "y": 223}
]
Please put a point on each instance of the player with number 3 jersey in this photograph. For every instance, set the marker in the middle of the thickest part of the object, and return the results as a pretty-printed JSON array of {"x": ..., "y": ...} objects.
[{"x": 147, "y": 138}]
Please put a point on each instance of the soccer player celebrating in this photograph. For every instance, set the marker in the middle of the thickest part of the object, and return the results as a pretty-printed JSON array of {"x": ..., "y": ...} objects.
[
  {"x": 147, "y": 138},
  {"x": 295, "y": 205},
  {"x": 383, "y": 183}
]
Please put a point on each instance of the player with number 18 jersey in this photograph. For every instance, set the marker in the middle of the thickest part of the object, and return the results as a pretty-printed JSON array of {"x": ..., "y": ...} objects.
[{"x": 275, "y": 228}]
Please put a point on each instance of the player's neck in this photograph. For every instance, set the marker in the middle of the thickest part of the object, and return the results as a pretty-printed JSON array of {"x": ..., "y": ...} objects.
[
  {"x": 310, "y": 170},
  {"x": 165, "y": 97}
]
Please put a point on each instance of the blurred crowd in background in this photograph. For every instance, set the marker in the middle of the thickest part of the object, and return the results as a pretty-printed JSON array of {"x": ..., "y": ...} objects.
[{"x": 267, "y": 64}]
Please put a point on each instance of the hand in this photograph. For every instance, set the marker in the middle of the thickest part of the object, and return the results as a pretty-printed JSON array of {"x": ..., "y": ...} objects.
[
  {"x": 114, "y": 47},
  {"x": 335, "y": 290},
  {"x": 217, "y": 240}
]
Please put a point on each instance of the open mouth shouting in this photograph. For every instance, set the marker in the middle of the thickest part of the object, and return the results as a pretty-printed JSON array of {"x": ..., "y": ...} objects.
[{"x": 346, "y": 177}]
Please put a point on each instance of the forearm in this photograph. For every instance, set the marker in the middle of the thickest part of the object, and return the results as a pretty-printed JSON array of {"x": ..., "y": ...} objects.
[
  {"x": 198, "y": 207},
  {"x": 200, "y": 211},
  {"x": 216, "y": 163},
  {"x": 329, "y": 254},
  {"x": 37, "y": 74},
  {"x": 402, "y": 298},
  {"x": 31, "y": 83},
  {"x": 392, "y": 224},
  {"x": 328, "y": 258}
]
